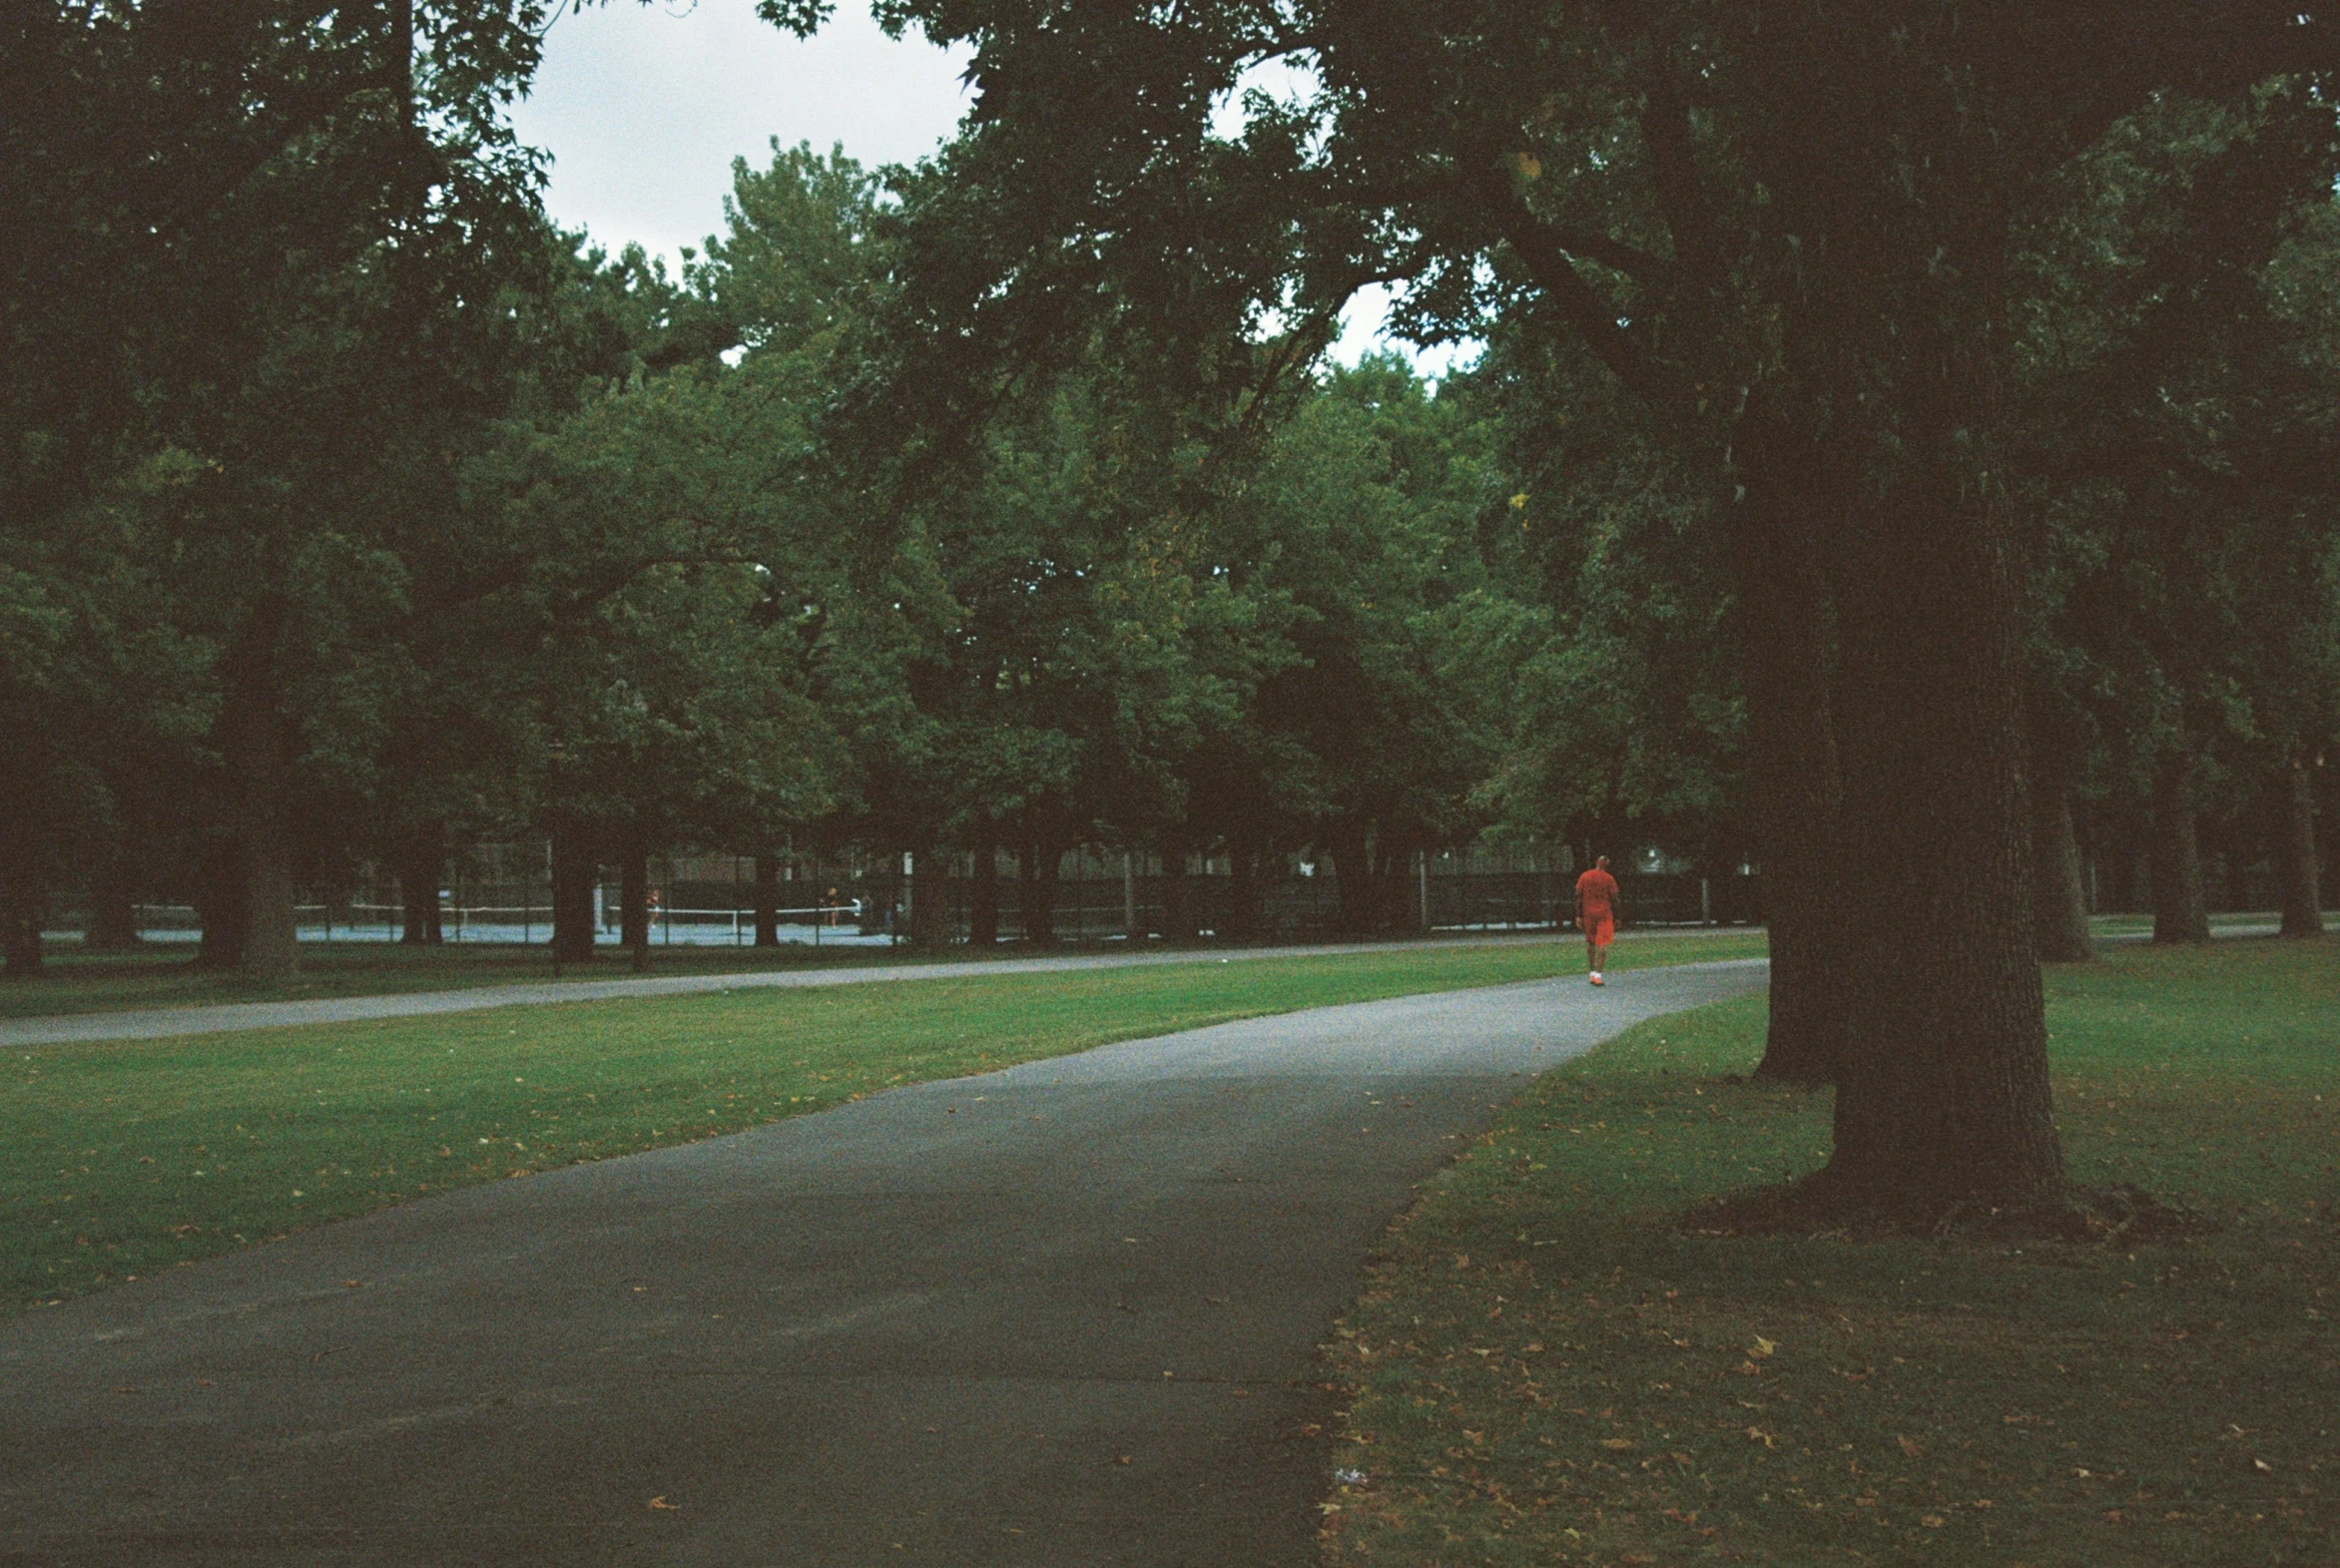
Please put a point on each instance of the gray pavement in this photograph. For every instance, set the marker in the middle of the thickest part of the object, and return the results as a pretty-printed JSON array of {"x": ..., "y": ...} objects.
[
  {"x": 1062, "y": 1314},
  {"x": 154, "y": 1023}
]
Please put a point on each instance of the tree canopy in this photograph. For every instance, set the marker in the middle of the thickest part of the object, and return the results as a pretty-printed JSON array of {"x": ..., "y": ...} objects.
[{"x": 1897, "y": 454}]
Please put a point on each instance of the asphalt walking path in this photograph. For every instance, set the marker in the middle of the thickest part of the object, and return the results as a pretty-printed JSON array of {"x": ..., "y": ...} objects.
[
  {"x": 1061, "y": 1315},
  {"x": 154, "y": 1023}
]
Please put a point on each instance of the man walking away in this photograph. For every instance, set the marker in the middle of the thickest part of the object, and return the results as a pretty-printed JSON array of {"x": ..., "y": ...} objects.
[{"x": 1596, "y": 916}]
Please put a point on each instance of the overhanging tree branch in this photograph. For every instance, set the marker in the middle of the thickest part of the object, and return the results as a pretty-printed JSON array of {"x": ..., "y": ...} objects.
[{"x": 1553, "y": 266}]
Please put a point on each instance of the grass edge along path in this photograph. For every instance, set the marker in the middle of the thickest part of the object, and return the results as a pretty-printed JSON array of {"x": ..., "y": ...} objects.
[
  {"x": 122, "y": 1158},
  {"x": 71, "y": 986},
  {"x": 1544, "y": 1367},
  {"x": 71, "y": 982}
]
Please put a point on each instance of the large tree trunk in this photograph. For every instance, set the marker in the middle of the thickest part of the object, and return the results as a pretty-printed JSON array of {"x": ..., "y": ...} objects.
[
  {"x": 2059, "y": 891},
  {"x": 2295, "y": 852},
  {"x": 634, "y": 895},
  {"x": 983, "y": 897},
  {"x": 418, "y": 889},
  {"x": 1782, "y": 622},
  {"x": 929, "y": 895},
  {"x": 575, "y": 871},
  {"x": 259, "y": 769},
  {"x": 1894, "y": 326},
  {"x": 1942, "y": 1101},
  {"x": 219, "y": 905},
  {"x": 767, "y": 901},
  {"x": 2181, "y": 912}
]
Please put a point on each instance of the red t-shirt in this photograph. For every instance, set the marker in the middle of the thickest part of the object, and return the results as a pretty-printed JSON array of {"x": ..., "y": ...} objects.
[{"x": 1598, "y": 891}]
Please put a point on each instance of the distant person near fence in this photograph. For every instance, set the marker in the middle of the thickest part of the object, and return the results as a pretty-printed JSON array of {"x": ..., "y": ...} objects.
[{"x": 1597, "y": 916}]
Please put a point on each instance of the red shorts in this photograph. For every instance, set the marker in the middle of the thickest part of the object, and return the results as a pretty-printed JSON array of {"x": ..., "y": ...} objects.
[{"x": 1600, "y": 929}]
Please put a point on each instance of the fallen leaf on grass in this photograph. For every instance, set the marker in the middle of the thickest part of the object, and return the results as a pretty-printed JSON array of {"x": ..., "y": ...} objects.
[
  {"x": 1616, "y": 1443},
  {"x": 1762, "y": 1348},
  {"x": 661, "y": 1505},
  {"x": 1909, "y": 1445}
]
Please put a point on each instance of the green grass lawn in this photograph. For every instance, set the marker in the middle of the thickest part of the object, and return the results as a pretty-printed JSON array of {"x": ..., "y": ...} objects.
[
  {"x": 123, "y": 1157},
  {"x": 73, "y": 981},
  {"x": 1546, "y": 1369}
]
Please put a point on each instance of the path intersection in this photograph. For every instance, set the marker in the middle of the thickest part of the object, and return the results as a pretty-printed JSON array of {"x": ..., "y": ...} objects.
[{"x": 1060, "y": 1315}]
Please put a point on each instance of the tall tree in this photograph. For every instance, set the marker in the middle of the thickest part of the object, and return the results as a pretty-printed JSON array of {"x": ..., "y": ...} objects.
[{"x": 1781, "y": 257}]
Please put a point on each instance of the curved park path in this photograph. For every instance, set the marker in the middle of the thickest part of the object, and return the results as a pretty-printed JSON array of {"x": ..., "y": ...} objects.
[
  {"x": 1061, "y": 1315},
  {"x": 154, "y": 1023}
]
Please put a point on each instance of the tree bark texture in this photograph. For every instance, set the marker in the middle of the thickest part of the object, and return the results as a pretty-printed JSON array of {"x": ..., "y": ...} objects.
[
  {"x": 1944, "y": 1098},
  {"x": 1899, "y": 172},
  {"x": 2181, "y": 912},
  {"x": 259, "y": 750},
  {"x": 2295, "y": 852},
  {"x": 2058, "y": 889},
  {"x": 1782, "y": 621},
  {"x": 634, "y": 895},
  {"x": 767, "y": 901},
  {"x": 574, "y": 873},
  {"x": 219, "y": 905},
  {"x": 929, "y": 892}
]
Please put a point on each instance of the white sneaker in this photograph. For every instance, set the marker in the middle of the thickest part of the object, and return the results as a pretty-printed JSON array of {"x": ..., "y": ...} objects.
[{"x": 1596, "y": 979}]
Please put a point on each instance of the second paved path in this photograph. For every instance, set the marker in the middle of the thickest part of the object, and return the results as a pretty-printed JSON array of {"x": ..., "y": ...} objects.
[
  {"x": 1060, "y": 1315},
  {"x": 154, "y": 1023}
]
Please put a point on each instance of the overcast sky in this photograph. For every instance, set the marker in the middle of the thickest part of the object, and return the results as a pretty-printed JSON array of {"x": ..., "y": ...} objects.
[{"x": 644, "y": 106}]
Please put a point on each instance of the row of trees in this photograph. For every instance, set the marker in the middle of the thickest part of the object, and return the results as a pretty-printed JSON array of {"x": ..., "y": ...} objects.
[
  {"x": 1865, "y": 465},
  {"x": 407, "y": 521},
  {"x": 1940, "y": 320}
]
